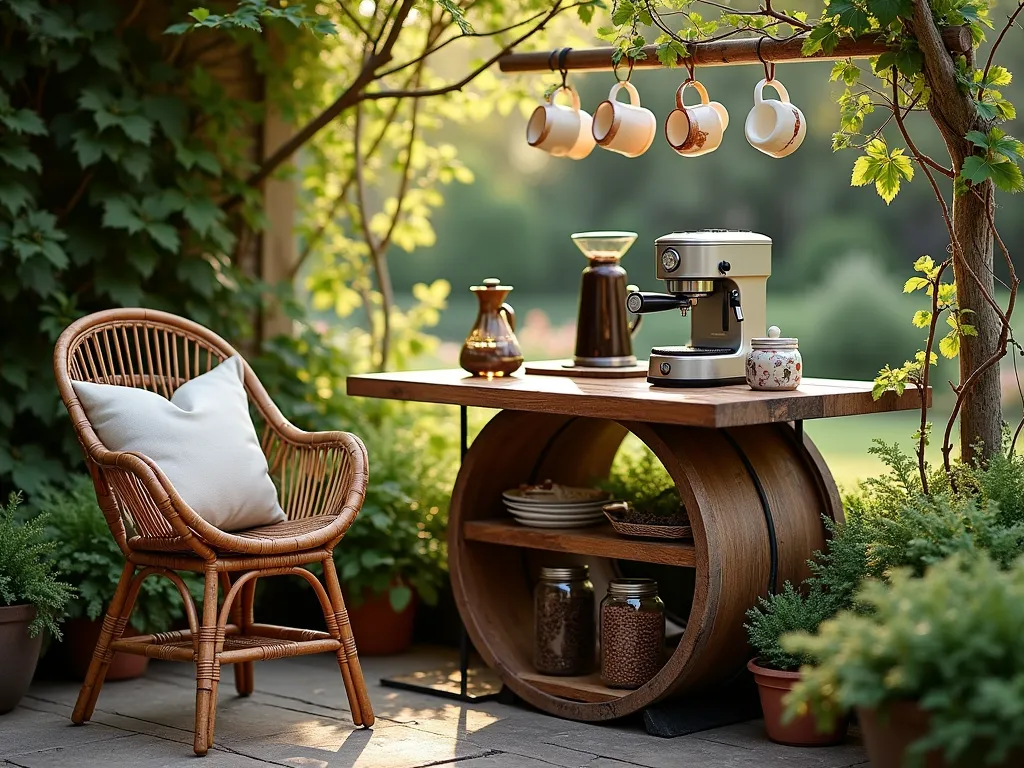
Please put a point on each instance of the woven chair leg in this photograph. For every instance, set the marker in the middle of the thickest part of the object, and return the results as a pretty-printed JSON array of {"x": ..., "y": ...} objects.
[
  {"x": 348, "y": 658},
  {"x": 207, "y": 667},
  {"x": 245, "y": 679},
  {"x": 113, "y": 625}
]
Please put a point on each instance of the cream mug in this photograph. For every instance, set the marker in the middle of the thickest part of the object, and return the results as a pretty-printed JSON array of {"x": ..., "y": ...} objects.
[
  {"x": 774, "y": 126},
  {"x": 560, "y": 130},
  {"x": 697, "y": 130},
  {"x": 624, "y": 128}
]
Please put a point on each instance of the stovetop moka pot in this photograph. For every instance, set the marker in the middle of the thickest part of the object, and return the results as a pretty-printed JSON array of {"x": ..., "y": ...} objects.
[{"x": 604, "y": 332}]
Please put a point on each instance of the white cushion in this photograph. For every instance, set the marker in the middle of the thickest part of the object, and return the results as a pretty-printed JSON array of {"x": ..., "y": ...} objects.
[{"x": 203, "y": 439}]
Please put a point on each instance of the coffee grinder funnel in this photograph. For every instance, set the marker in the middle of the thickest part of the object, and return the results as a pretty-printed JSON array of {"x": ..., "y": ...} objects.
[{"x": 603, "y": 330}]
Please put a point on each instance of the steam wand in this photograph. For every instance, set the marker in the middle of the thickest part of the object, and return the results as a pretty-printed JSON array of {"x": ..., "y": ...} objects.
[{"x": 646, "y": 302}]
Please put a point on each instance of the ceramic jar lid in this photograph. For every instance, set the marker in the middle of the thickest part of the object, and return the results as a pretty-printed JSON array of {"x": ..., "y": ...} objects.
[{"x": 774, "y": 340}]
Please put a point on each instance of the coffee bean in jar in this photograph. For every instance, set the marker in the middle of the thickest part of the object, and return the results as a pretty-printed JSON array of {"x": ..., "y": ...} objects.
[
  {"x": 632, "y": 633},
  {"x": 564, "y": 625}
]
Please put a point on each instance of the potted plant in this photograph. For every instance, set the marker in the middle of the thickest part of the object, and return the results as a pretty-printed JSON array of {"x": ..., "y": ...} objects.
[
  {"x": 647, "y": 500},
  {"x": 776, "y": 670},
  {"x": 86, "y": 553},
  {"x": 393, "y": 555},
  {"x": 32, "y": 599},
  {"x": 933, "y": 666}
]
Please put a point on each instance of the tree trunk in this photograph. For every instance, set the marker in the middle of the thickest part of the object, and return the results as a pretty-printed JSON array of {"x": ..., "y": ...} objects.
[
  {"x": 981, "y": 415},
  {"x": 955, "y": 115}
]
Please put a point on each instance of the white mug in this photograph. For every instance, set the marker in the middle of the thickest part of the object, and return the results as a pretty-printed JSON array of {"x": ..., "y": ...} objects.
[
  {"x": 775, "y": 126},
  {"x": 562, "y": 131},
  {"x": 624, "y": 128},
  {"x": 697, "y": 130}
]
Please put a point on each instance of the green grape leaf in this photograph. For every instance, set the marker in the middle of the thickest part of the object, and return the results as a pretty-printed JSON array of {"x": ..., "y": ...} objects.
[
  {"x": 138, "y": 128},
  {"x": 13, "y": 196},
  {"x": 915, "y": 284},
  {"x": 164, "y": 235},
  {"x": 23, "y": 121},
  {"x": 949, "y": 345},
  {"x": 19, "y": 156},
  {"x": 922, "y": 318},
  {"x": 887, "y": 170},
  {"x": 1004, "y": 173},
  {"x": 851, "y": 15},
  {"x": 202, "y": 213},
  {"x": 623, "y": 13},
  {"x": 887, "y": 11},
  {"x": 998, "y": 75},
  {"x": 120, "y": 213}
]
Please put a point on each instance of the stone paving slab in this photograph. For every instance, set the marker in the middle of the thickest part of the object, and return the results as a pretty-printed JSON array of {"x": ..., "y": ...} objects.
[{"x": 298, "y": 718}]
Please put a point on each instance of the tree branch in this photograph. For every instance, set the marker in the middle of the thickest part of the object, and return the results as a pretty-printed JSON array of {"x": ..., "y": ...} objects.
[
  {"x": 458, "y": 86},
  {"x": 77, "y": 195},
  {"x": 1010, "y": 21},
  {"x": 355, "y": 21},
  {"x": 119, "y": 30},
  {"x": 351, "y": 96},
  {"x": 339, "y": 199},
  {"x": 464, "y": 35}
]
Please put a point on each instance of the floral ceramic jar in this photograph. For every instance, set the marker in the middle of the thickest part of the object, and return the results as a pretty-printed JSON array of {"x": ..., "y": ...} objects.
[{"x": 774, "y": 363}]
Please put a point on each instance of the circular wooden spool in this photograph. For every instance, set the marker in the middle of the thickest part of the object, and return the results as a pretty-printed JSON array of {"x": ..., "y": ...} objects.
[{"x": 725, "y": 477}]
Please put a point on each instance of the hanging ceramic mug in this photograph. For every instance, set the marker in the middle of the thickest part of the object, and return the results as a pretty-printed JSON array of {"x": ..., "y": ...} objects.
[
  {"x": 624, "y": 128},
  {"x": 560, "y": 130},
  {"x": 775, "y": 126},
  {"x": 697, "y": 130}
]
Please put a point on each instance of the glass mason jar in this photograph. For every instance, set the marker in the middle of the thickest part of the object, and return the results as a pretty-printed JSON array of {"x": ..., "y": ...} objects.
[
  {"x": 632, "y": 633},
  {"x": 563, "y": 621}
]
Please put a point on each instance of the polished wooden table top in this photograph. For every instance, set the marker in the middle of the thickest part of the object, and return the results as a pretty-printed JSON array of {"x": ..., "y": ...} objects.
[{"x": 633, "y": 399}]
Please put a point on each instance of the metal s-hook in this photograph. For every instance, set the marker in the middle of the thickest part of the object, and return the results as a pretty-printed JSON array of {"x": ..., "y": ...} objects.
[
  {"x": 556, "y": 61},
  {"x": 769, "y": 69},
  {"x": 561, "y": 66}
]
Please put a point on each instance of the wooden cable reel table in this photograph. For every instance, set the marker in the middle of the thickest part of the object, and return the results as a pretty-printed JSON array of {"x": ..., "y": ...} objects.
[{"x": 754, "y": 486}]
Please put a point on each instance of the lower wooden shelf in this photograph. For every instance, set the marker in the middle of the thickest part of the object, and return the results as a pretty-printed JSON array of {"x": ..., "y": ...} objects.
[
  {"x": 600, "y": 541},
  {"x": 585, "y": 688}
]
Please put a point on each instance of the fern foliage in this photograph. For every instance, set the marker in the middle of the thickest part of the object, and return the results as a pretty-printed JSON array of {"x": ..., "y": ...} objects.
[{"x": 27, "y": 573}]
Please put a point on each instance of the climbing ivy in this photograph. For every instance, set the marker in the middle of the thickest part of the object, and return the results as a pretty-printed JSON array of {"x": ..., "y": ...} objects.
[{"x": 115, "y": 149}]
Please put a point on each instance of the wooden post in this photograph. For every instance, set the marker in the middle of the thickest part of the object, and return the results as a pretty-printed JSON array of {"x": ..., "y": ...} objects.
[{"x": 720, "y": 53}]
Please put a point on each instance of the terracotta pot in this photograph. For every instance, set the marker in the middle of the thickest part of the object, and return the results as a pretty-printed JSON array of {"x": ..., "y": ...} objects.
[
  {"x": 802, "y": 731},
  {"x": 378, "y": 630},
  {"x": 887, "y": 736},
  {"x": 80, "y": 638},
  {"x": 18, "y": 654}
]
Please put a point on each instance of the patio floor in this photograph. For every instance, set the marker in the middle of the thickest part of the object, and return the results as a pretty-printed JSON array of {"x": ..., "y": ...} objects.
[{"x": 297, "y": 719}]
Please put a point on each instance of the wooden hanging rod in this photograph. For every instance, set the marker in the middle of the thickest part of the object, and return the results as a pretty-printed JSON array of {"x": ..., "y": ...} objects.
[{"x": 721, "y": 53}]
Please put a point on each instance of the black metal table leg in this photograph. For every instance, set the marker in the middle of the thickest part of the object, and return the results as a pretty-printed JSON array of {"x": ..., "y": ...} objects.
[{"x": 482, "y": 684}]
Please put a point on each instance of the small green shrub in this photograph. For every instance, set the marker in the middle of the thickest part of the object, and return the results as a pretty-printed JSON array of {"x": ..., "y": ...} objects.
[
  {"x": 86, "y": 553},
  {"x": 27, "y": 574},
  {"x": 950, "y": 641},
  {"x": 638, "y": 476},
  {"x": 891, "y": 524},
  {"x": 785, "y": 611}
]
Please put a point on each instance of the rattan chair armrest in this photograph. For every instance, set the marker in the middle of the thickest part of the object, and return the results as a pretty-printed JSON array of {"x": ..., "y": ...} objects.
[
  {"x": 303, "y": 460},
  {"x": 184, "y": 521}
]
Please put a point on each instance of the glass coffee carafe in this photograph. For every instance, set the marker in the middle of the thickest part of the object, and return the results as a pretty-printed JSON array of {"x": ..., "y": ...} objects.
[
  {"x": 604, "y": 332},
  {"x": 492, "y": 349}
]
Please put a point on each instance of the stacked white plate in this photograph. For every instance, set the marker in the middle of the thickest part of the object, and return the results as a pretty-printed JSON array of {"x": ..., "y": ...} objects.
[{"x": 556, "y": 507}]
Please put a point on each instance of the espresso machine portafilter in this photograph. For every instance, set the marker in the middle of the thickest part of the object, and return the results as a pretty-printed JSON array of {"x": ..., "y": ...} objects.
[{"x": 719, "y": 278}]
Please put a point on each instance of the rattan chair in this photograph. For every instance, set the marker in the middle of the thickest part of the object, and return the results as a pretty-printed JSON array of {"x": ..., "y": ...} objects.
[{"x": 321, "y": 479}]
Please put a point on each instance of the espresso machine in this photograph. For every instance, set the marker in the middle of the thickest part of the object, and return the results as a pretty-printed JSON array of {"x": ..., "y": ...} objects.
[{"x": 718, "y": 277}]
